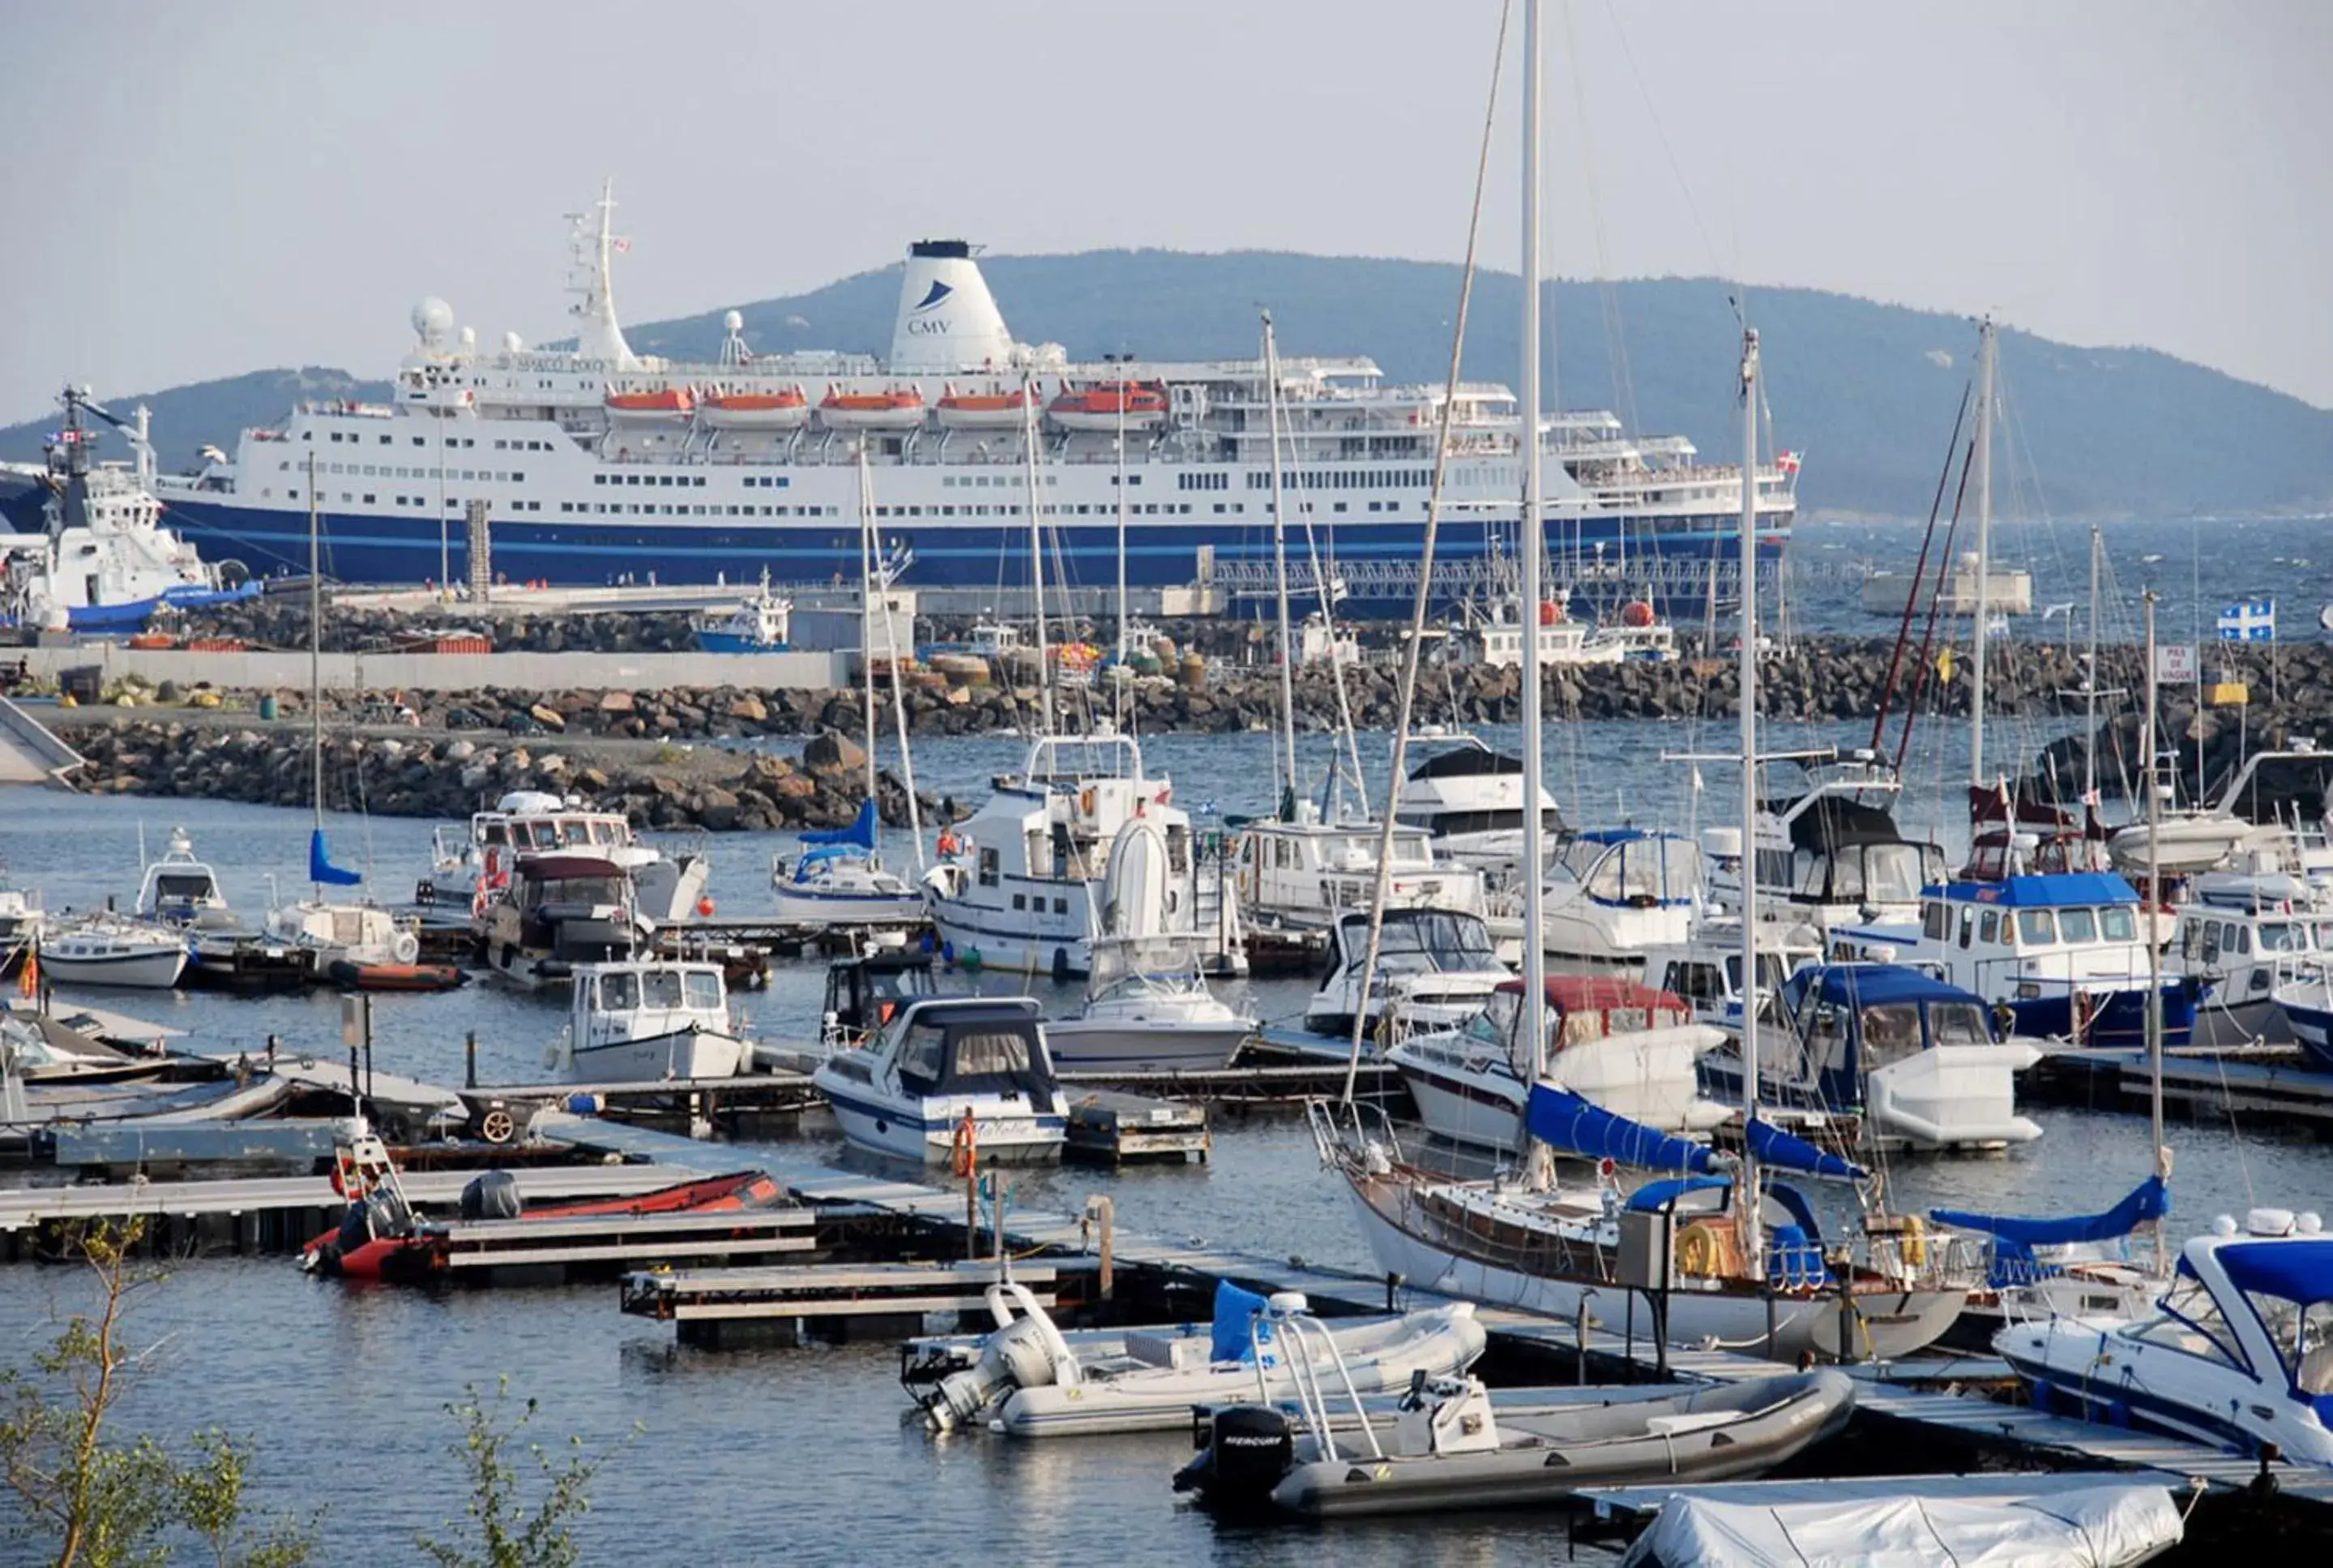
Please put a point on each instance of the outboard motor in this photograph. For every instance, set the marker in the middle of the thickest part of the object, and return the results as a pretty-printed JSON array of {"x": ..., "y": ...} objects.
[
  {"x": 493, "y": 1195},
  {"x": 1016, "y": 1357},
  {"x": 1250, "y": 1450}
]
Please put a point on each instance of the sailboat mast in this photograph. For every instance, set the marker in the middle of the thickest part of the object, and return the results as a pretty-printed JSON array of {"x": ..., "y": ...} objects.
[
  {"x": 1984, "y": 359},
  {"x": 1037, "y": 554},
  {"x": 2090, "y": 686},
  {"x": 1532, "y": 1019},
  {"x": 866, "y": 604},
  {"x": 1123, "y": 647},
  {"x": 2154, "y": 902},
  {"x": 1748, "y": 1191},
  {"x": 315, "y": 640},
  {"x": 1279, "y": 563}
]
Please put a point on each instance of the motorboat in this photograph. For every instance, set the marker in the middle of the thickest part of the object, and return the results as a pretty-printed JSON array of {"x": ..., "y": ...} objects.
[
  {"x": 1027, "y": 1378},
  {"x": 1613, "y": 894},
  {"x": 1436, "y": 968},
  {"x": 556, "y": 911},
  {"x": 1625, "y": 1046},
  {"x": 341, "y": 937},
  {"x": 865, "y": 991},
  {"x": 1914, "y": 1056},
  {"x": 952, "y": 1078},
  {"x": 1638, "y": 636},
  {"x": 641, "y": 1020},
  {"x": 1469, "y": 799},
  {"x": 1301, "y": 875},
  {"x": 1495, "y": 638},
  {"x": 1706, "y": 968},
  {"x": 1147, "y": 1009},
  {"x": 2306, "y": 1004},
  {"x": 2061, "y": 954},
  {"x": 2238, "y": 1353},
  {"x": 838, "y": 878},
  {"x": 1447, "y": 1449},
  {"x": 109, "y": 949},
  {"x": 2100, "y": 1526},
  {"x": 181, "y": 890},
  {"x": 763, "y": 624},
  {"x": 1830, "y": 855},
  {"x": 2242, "y": 935},
  {"x": 469, "y": 866}
]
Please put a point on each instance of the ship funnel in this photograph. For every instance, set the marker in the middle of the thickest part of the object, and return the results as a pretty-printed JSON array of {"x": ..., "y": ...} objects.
[{"x": 948, "y": 321}]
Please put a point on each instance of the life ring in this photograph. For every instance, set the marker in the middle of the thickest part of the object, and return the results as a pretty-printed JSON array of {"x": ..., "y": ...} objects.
[
  {"x": 964, "y": 1146},
  {"x": 1697, "y": 1251},
  {"x": 1085, "y": 800},
  {"x": 1916, "y": 1240},
  {"x": 405, "y": 947}
]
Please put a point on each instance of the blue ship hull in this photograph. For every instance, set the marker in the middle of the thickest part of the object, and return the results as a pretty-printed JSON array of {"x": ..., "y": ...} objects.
[
  {"x": 376, "y": 549},
  {"x": 736, "y": 642},
  {"x": 2120, "y": 1023}
]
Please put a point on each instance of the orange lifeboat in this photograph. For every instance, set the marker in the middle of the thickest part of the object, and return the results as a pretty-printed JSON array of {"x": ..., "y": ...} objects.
[
  {"x": 900, "y": 408},
  {"x": 662, "y": 406},
  {"x": 1107, "y": 405},
  {"x": 784, "y": 409},
  {"x": 984, "y": 411},
  {"x": 1638, "y": 614}
]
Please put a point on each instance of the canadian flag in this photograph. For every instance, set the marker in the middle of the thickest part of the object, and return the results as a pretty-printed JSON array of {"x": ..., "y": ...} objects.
[{"x": 1788, "y": 462}]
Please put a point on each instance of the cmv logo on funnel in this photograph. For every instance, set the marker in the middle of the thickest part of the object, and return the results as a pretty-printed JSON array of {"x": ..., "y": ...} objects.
[{"x": 921, "y": 324}]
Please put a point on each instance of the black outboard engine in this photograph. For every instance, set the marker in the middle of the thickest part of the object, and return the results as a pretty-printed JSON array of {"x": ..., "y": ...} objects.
[
  {"x": 1250, "y": 1450},
  {"x": 491, "y": 1196}
]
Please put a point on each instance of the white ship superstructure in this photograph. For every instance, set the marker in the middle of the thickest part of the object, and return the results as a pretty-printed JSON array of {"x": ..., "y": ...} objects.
[{"x": 600, "y": 464}]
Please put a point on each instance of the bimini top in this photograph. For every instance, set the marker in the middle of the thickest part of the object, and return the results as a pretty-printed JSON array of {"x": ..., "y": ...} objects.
[
  {"x": 1869, "y": 986},
  {"x": 2296, "y": 1269},
  {"x": 567, "y": 868},
  {"x": 2054, "y": 890},
  {"x": 1467, "y": 762},
  {"x": 1828, "y": 822},
  {"x": 1571, "y": 994}
]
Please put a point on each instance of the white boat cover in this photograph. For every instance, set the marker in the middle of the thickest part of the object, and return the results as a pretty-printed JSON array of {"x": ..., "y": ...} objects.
[{"x": 2093, "y": 1527}]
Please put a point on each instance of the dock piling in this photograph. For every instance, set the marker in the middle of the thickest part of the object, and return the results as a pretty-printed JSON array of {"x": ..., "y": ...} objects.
[{"x": 1103, "y": 1212}]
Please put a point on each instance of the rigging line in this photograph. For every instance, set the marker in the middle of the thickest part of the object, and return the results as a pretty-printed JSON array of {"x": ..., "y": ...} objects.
[
  {"x": 1410, "y": 657},
  {"x": 1935, "y": 604},
  {"x": 1919, "y": 573},
  {"x": 1327, "y": 598},
  {"x": 1676, "y": 171}
]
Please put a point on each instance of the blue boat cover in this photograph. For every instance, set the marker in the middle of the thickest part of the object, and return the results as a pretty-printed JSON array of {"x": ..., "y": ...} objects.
[
  {"x": 2041, "y": 891},
  {"x": 1870, "y": 985},
  {"x": 1564, "y": 1119},
  {"x": 2297, "y": 1269},
  {"x": 862, "y": 831},
  {"x": 2150, "y": 1201},
  {"x": 1655, "y": 1195},
  {"x": 1235, "y": 1308},
  {"x": 1787, "y": 1151},
  {"x": 320, "y": 870}
]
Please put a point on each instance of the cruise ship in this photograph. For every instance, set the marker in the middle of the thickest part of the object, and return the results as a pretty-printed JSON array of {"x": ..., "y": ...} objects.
[{"x": 598, "y": 465}]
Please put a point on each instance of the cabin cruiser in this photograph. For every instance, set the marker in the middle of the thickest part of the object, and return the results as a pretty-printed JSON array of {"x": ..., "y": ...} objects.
[
  {"x": 468, "y": 867},
  {"x": 1626, "y": 1047},
  {"x": 556, "y": 911},
  {"x": 2059, "y": 954},
  {"x": 1147, "y": 1009},
  {"x": 2238, "y": 1354},
  {"x": 1301, "y": 875},
  {"x": 343, "y": 938},
  {"x": 1436, "y": 969},
  {"x": 1469, "y": 799},
  {"x": 1831, "y": 855},
  {"x": 636, "y": 1020},
  {"x": 1914, "y": 1056},
  {"x": 1706, "y": 968},
  {"x": 838, "y": 879},
  {"x": 952, "y": 1078},
  {"x": 181, "y": 890},
  {"x": 1023, "y": 887},
  {"x": 2243, "y": 935},
  {"x": 1611, "y": 896},
  {"x": 109, "y": 949}
]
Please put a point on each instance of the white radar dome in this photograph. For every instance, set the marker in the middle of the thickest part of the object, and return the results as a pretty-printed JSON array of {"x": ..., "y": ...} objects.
[
  {"x": 433, "y": 318},
  {"x": 735, "y": 322}
]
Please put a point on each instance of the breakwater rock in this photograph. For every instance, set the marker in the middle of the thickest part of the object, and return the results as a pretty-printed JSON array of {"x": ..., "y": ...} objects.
[{"x": 223, "y": 757}]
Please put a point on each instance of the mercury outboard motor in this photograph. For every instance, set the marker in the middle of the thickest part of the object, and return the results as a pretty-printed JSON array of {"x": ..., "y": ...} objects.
[
  {"x": 1250, "y": 1450},
  {"x": 491, "y": 1196},
  {"x": 1016, "y": 1357}
]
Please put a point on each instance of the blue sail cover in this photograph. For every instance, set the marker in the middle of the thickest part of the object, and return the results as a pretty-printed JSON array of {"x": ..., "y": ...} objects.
[
  {"x": 1564, "y": 1121},
  {"x": 1783, "y": 1151},
  {"x": 861, "y": 833},
  {"x": 2150, "y": 1201},
  {"x": 320, "y": 870}
]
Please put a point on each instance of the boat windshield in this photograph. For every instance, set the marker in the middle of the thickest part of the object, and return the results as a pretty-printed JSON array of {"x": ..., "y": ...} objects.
[
  {"x": 1891, "y": 1032},
  {"x": 1658, "y": 869},
  {"x": 1881, "y": 873},
  {"x": 2302, "y": 1333},
  {"x": 2191, "y": 1322},
  {"x": 704, "y": 990},
  {"x": 1958, "y": 1024},
  {"x": 584, "y": 891},
  {"x": 184, "y": 885},
  {"x": 1427, "y": 941},
  {"x": 2116, "y": 924},
  {"x": 2283, "y": 937},
  {"x": 1494, "y": 1025}
]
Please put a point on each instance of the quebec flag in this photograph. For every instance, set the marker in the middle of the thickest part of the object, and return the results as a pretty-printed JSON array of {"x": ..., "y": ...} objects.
[{"x": 2255, "y": 621}]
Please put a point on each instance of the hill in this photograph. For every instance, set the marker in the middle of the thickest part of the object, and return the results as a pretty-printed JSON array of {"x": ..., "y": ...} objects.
[{"x": 1866, "y": 390}]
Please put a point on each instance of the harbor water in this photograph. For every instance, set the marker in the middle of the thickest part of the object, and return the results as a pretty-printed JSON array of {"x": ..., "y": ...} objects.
[{"x": 802, "y": 1454}]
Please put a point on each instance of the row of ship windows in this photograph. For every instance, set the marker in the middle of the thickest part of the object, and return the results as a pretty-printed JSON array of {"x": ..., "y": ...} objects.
[
  {"x": 652, "y": 509},
  {"x": 385, "y": 471},
  {"x": 368, "y": 498},
  {"x": 353, "y": 438},
  {"x": 1337, "y": 480},
  {"x": 1015, "y": 481}
]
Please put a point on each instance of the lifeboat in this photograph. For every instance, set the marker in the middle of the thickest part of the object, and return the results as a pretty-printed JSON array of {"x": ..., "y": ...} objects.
[
  {"x": 786, "y": 409},
  {"x": 900, "y": 408},
  {"x": 663, "y": 406},
  {"x": 1107, "y": 405},
  {"x": 984, "y": 411}
]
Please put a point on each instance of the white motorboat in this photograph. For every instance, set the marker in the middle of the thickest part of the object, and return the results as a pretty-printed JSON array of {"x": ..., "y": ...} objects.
[
  {"x": 952, "y": 1078},
  {"x": 838, "y": 879},
  {"x": 2239, "y": 936},
  {"x": 469, "y": 866},
  {"x": 2238, "y": 1354},
  {"x": 1706, "y": 968},
  {"x": 109, "y": 949},
  {"x": 1830, "y": 855},
  {"x": 339, "y": 936},
  {"x": 1469, "y": 799},
  {"x": 557, "y": 911},
  {"x": 644, "y": 1019},
  {"x": 1147, "y": 1009},
  {"x": 1627, "y": 1048},
  {"x": 2102, "y": 1526},
  {"x": 1301, "y": 875},
  {"x": 1027, "y": 1378},
  {"x": 1436, "y": 969},
  {"x": 1612, "y": 896},
  {"x": 180, "y": 889}
]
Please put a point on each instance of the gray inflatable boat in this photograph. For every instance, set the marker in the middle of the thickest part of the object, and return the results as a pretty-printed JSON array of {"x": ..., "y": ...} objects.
[{"x": 1448, "y": 1449}]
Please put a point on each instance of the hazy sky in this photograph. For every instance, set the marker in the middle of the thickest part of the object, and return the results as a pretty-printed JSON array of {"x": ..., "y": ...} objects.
[{"x": 194, "y": 190}]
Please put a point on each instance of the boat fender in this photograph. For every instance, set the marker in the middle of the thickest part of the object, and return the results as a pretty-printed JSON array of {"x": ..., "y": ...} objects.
[
  {"x": 1916, "y": 1240},
  {"x": 405, "y": 948},
  {"x": 1697, "y": 1251},
  {"x": 1085, "y": 800},
  {"x": 964, "y": 1147}
]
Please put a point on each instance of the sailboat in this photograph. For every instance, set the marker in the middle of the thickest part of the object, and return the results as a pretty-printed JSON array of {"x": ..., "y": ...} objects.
[
  {"x": 1731, "y": 1255},
  {"x": 349, "y": 942}
]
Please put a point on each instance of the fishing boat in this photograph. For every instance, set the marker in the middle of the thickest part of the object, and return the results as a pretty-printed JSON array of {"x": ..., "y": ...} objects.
[
  {"x": 1026, "y": 1379},
  {"x": 559, "y": 911},
  {"x": 952, "y": 1079},
  {"x": 1446, "y": 1449},
  {"x": 2240, "y": 936},
  {"x": 642, "y": 1020},
  {"x": 837, "y": 879},
  {"x": 109, "y": 949},
  {"x": 2237, "y": 1356},
  {"x": 1626, "y": 1047},
  {"x": 2101, "y": 1526},
  {"x": 763, "y": 624},
  {"x": 1436, "y": 968}
]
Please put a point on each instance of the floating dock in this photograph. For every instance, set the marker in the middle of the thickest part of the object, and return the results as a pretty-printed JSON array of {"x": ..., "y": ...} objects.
[
  {"x": 2265, "y": 1084},
  {"x": 1118, "y": 1129},
  {"x": 720, "y": 1308},
  {"x": 555, "y": 1249}
]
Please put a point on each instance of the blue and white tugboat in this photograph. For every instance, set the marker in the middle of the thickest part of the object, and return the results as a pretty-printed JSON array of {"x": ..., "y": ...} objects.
[{"x": 763, "y": 624}]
